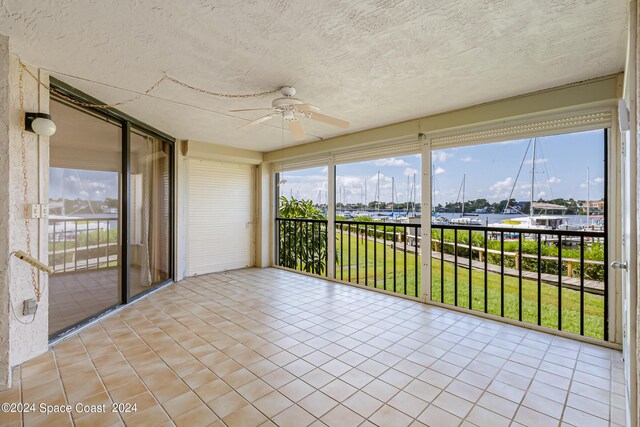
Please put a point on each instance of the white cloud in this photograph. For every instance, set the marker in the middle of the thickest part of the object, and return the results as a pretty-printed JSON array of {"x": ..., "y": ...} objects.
[
  {"x": 391, "y": 162},
  {"x": 441, "y": 155},
  {"x": 599, "y": 180},
  {"x": 502, "y": 188},
  {"x": 410, "y": 172},
  {"x": 554, "y": 180},
  {"x": 466, "y": 159},
  {"x": 439, "y": 171},
  {"x": 538, "y": 161}
]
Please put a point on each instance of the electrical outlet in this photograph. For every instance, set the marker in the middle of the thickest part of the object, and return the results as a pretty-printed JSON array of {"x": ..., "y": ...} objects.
[
  {"x": 33, "y": 211},
  {"x": 29, "y": 307},
  {"x": 44, "y": 211}
]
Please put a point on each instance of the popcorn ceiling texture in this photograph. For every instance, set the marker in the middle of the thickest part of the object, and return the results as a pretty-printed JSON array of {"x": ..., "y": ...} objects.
[
  {"x": 20, "y": 342},
  {"x": 372, "y": 62}
]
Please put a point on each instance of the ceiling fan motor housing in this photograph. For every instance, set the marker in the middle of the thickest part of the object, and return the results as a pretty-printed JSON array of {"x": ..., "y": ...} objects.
[
  {"x": 282, "y": 104},
  {"x": 288, "y": 91}
]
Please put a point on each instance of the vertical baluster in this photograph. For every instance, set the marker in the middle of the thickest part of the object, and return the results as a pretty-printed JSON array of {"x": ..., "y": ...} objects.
[
  {"x": 442, "y": 264},
  {"x": 559, "y": 282},
  {"x": 358, "y": 253},
  {"x": 455, "y": 266},
  {"x": 415, "y": 261},
  {"x": 75, "y": 245},
  {"x": 108, "y": 241},
  {"x": 375, "y": 256},
  {"x": 87, "y": 250},
  {"x": 54, "y": 223},
  {"x": 470, "y": 269},
  {"x": 395, "y": 272},
  {"x": 326, "y": 248},
  {"x": 539, "y": 279},
  {"x": 581, "y": 285},
  {"x": 98, "y": 238},
  {"x": 366, "y": 255},
  {"x": 520, "y": 277},
  {"x": 349, "y": 249},
  {"x": 309, "y": 240},
  {"x": 384, "y": 256},
  {"x": 502, "y": 273},
  {"x": 341, "y": 252},
  {"x": 307, "y": 248},
  {"x": 405, "y": 258},
  {"x": 486, "y": 268},
  {"x": 295, "y": 244}
]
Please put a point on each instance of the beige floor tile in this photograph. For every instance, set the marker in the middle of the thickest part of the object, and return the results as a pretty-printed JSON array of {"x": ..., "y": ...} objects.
[
  {"x": 317, "y": 404},
  {"x": 247, "y": 416},
  {"x": 436, "y": 417},
  {"x": 294, "y": 416},
  {"x": 388, "y": 415},
  {"x": 341, "y": 416},
  {"x": 221, "y": 345}
]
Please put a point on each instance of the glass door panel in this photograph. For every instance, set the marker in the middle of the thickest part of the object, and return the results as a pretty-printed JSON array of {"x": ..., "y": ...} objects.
[{"x": 84, "y": 222}]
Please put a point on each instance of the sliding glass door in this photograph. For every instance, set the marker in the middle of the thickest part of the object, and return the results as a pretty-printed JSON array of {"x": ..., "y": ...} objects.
[
  {"x": 84, "y": 221},
  {"x": 111, "y": 201},
  {"x": 149, "y": 211}
]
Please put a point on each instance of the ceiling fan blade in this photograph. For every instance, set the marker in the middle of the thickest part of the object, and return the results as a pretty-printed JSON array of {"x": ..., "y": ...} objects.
[
  {"x": 296, "y": 130},
  {"x": 306, "y": 107},
  {"x": 249, "y": 109},
  {"x": 328, "y": 119},
  {"x": 257, "y": 121}
]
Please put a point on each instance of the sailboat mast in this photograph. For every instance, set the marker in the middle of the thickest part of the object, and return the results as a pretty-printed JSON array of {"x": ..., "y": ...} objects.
[
  {"x": 365, "y": 195},
  {"x": 533, "y": 176},
  {"x": 414, "y": 194},
  {"x": 393, "y": 189},
  {"x": 464, "y": 178},
  {"x": 378, "y": 193},
  {"x": 588, "y": 196}
]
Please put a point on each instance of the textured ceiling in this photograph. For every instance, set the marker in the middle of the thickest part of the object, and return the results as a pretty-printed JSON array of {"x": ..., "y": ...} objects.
[{"x": 371, "y": 62}]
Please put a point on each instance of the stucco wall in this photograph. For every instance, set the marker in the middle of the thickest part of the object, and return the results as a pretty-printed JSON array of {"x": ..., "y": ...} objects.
[{"x": 19, "y": 341}]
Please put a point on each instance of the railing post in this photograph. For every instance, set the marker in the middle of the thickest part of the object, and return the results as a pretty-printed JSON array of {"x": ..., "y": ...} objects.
[
  {"x": 425, "y": 213},
  {"x": 331, "y": 219}
]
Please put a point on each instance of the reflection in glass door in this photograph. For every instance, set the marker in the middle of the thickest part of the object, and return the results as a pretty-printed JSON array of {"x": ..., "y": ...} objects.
[
  {"x": 84, "y": 221},
  {"x": 150, "y": 201}
]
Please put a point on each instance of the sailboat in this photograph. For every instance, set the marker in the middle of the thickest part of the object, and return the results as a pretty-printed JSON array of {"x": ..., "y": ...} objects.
[
  {"x": 541, "y": 221},
  {"x": 465, "y": 218}
]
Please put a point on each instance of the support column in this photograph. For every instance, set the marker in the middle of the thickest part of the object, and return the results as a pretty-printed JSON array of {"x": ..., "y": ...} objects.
[
  {"x": 425, "y": 214},
  {"x": 331, "y": 218},
  {"x": 264, "y": 215}
]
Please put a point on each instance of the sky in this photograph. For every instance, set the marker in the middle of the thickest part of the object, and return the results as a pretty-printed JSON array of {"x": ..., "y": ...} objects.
[
  {"x": 490, "y": 169},
  {"x": 82, "y": 184}
]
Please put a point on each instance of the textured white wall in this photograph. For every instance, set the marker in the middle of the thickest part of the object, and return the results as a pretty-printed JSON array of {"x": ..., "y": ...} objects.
[
  {"x": 20, "y": 342},
  {"x": 4, "y": 210}
]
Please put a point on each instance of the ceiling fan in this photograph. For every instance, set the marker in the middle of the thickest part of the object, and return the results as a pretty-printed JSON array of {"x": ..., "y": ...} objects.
[{"x": 293, "y": 110}]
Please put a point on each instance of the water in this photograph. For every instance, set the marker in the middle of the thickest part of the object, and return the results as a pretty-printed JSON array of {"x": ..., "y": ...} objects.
[
  {"x": 492, "y": 218},
  {"x": 579, "y": 220}
]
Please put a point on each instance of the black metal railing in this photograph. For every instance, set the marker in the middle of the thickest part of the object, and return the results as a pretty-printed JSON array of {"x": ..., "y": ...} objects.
[
  {"x": 552, "y": 278},
  {"x": 83, "y": 244},
  {"x": 302, "y": 244},
  {"x": 378, "y": 254}
]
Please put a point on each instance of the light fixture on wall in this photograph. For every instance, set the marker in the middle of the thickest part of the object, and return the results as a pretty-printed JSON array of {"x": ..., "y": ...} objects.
[{"x": 39, "y": 123}]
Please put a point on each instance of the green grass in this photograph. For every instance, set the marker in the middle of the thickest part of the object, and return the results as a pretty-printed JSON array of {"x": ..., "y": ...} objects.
[{"x": 593, "y": 304}]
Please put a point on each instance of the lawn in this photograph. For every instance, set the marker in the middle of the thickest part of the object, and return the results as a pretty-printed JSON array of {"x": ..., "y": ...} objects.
[{"x": 364, "y": 274}]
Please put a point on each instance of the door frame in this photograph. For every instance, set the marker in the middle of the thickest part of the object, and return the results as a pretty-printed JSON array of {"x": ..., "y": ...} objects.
[{"x": 60, "y": 91}]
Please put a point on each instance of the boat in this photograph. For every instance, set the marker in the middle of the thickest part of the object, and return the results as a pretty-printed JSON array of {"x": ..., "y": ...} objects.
[
  {"x": 467, "y": 219},
  {"x": 439, "y": 220},
  {"x": 541, "y": 221}
]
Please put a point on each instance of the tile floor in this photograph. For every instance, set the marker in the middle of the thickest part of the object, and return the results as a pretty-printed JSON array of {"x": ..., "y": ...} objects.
[
  {"x": 76, "y": 296},
  {"x": 267, "y": 347}
]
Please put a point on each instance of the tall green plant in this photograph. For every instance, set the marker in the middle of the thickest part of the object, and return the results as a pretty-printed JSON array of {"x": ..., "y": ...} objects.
[{"x": 303, "y": 245}]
